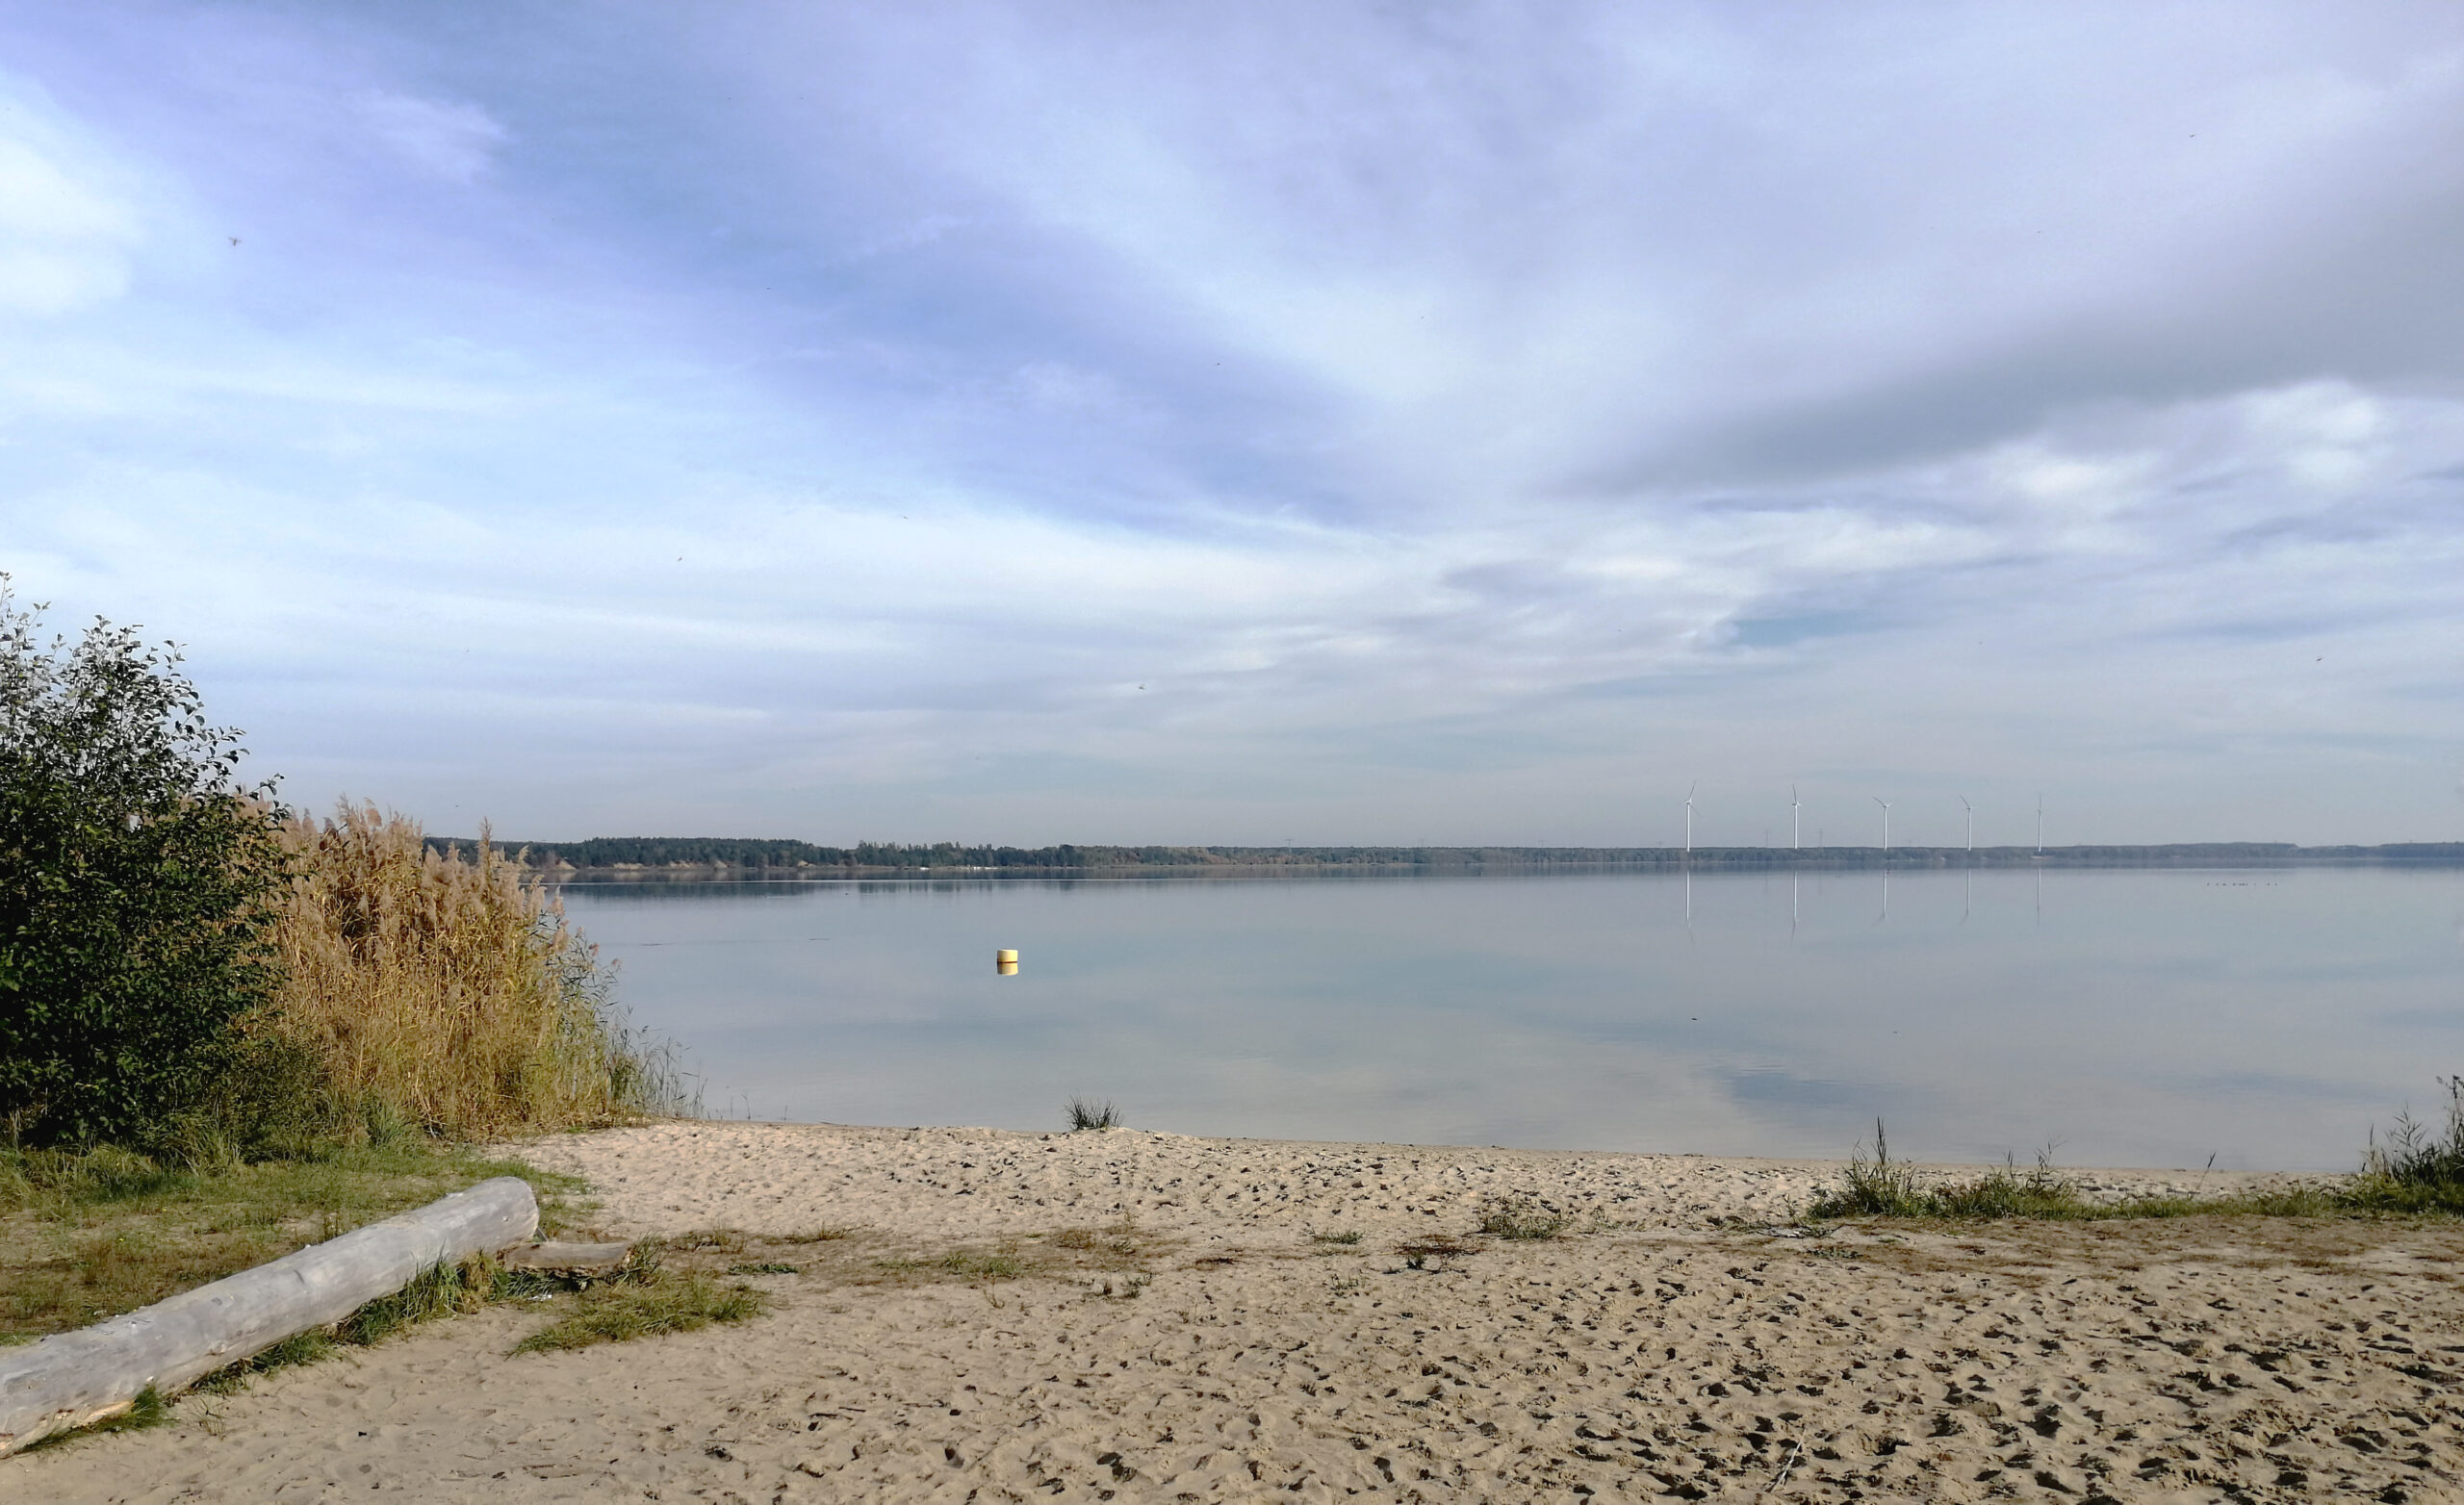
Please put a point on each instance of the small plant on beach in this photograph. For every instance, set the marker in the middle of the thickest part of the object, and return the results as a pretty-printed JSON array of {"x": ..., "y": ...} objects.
[
  {"x": 1521, "y": 1218},
  {"x": 1877, "y": 1186},
  {"x": 1085, "y": 1115},
  {"x": 1881, "y": 1186},
  {"x": 1430, "y": 1253},
  {"x": 1346, "y": 1238},
  {"x": 2419, "y": 1169}
]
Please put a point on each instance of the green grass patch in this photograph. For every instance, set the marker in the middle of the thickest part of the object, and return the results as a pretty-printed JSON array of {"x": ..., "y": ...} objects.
[
  {"x": 2419, "y": 1169},
  {"x": 297, "y": 1349},
  {"x": 664, "y": 1303},
  {"x": 2410, "y": 1175},
  {"x": 150, "y": 1408},
  {"x": 1877, "y": 1185},
  {"x": 93, "y": 1233}
]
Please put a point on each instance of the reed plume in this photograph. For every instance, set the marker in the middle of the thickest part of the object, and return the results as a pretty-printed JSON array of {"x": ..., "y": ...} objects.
[{"x": 446, "y": 992}]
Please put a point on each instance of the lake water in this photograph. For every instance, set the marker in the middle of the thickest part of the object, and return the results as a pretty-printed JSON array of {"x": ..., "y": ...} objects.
[{"x": 2130, "y": 1017}]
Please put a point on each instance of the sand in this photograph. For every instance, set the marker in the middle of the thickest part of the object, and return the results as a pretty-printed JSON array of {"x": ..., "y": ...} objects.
[{"x": 1185, "y": 1330}]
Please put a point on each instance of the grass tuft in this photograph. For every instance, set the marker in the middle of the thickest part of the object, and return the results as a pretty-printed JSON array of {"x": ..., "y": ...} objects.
[
  {"x": 1880, "y": 1186},
  {"x": 1519, "y": 1218},
  {"x": 1083, "y": 1115},
  {"x": 1349, "y": 1236},
  {"x": 2416, "y": 1170},
  {"x": 1876, "y": 1187},
  {"x": 441, "y": 1292},
  {"x": 150, "y": 1408},
  {"x": 622, "y": 1311}
]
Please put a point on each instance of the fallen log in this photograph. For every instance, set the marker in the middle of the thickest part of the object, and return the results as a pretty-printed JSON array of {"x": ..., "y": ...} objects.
[{"x": 75, "y": 1379}]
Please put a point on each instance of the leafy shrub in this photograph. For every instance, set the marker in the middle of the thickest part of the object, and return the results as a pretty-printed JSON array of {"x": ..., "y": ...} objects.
[
  {"x": 137, "y": 876},
  {"x": 188, "y": 970}
]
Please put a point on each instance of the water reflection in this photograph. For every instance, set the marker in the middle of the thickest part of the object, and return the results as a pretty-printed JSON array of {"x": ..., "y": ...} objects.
[{"x": 2133, "y": 1017}]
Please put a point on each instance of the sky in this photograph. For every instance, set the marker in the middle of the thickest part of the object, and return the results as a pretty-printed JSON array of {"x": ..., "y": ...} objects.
[{"x": 1313, "y": 421}]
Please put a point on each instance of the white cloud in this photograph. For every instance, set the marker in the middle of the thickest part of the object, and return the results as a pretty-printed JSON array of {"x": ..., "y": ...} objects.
[
  {"x": 66, "y": 234},
  {"x": 1422, "y": 423},
  {"x": 449, "y": 140}
]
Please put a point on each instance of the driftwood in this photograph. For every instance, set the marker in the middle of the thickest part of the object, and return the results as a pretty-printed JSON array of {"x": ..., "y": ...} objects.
[
  {"x": 75, "y": 1379},
  {"x": 597, "y": 1261}
]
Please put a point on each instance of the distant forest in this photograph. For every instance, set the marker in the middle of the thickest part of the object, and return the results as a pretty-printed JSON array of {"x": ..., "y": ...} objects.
[{"x": 702, "y": 856}]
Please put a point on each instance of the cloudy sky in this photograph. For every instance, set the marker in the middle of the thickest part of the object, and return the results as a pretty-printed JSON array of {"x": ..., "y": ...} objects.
[{"x": 1315, "y": 421}]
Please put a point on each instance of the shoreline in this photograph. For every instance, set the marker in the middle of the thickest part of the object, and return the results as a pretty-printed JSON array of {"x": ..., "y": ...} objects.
[
  {"x": 1125, "y": 1315},
  {"x": 991, "y": 1181},
  {"x": 1778, "y": 862}
]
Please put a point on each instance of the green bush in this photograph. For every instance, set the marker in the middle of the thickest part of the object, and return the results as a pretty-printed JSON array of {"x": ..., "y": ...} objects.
[{"x": 136, "y": 876}]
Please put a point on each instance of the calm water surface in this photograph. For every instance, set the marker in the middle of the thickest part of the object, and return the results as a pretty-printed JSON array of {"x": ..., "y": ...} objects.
[{"x": 2130, "y": 1017}]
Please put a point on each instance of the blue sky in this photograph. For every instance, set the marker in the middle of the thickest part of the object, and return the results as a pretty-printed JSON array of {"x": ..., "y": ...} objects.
[{"x": 1315, "y": 421}]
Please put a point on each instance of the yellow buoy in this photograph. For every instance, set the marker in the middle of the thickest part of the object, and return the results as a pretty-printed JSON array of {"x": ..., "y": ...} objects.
[{"x": 1006, "y": 963}]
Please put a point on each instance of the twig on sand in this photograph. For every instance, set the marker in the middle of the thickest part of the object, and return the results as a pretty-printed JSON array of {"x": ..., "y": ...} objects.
[{"x": 1781, "y": 1477}]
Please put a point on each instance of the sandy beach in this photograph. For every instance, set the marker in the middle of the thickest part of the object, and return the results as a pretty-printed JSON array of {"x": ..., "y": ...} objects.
[{"x": 979, "y": 1315}]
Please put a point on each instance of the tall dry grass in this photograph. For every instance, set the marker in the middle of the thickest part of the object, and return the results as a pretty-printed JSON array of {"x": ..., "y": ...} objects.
[{"x": 446, "y": 992}]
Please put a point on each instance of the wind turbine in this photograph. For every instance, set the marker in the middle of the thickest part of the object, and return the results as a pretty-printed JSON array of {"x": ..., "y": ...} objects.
[
  {"x": 1971, "y": 824},
  {"x": 2039, "y": 824},
  {"x": 1886, "y": 805},
  {"x": 1796, "y": 821},
  {"x": 1689, "y": 816}
]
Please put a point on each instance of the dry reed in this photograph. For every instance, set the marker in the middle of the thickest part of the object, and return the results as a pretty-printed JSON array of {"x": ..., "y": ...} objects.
[{"x": 445, "y": 993}]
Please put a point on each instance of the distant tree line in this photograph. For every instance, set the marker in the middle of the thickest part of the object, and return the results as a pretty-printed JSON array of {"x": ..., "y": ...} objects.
[{"x": 642, "y": 853}]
